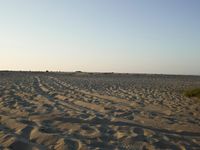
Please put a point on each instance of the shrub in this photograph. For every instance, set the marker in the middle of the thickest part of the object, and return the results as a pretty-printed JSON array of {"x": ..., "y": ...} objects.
[{"x": 193, "y": 93}]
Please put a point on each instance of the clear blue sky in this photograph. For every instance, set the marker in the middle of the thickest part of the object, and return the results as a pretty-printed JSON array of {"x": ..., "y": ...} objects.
[{"x": 138, "y": 36}]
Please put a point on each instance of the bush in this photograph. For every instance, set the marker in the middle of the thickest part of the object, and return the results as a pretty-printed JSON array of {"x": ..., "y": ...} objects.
[{"x": 193, "y": 93}]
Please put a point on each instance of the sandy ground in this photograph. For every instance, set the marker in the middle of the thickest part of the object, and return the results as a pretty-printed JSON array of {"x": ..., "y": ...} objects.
[{"x": 97, "y": 111}]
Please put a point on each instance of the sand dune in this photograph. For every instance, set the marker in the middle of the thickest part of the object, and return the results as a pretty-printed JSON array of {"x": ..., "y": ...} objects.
[{"x": 97, "y": 111}]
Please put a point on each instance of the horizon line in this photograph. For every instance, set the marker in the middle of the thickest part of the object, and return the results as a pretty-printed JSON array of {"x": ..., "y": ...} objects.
[{"x": 99, "y": 72}]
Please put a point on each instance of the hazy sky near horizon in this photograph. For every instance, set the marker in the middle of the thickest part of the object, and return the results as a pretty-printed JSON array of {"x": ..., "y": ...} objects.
[{"x": 138, "y": 36}]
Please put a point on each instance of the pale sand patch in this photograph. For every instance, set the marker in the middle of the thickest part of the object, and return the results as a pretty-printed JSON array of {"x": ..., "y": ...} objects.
[
  {"x": 110, "y": 98},
  {"x": 95, "y": 107},
  {"x": 43, "y": 138},
  {"x": 61, "y": 97}
]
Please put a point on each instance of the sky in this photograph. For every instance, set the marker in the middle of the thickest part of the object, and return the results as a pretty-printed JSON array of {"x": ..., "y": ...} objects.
[{"x": 127, "y": 36}]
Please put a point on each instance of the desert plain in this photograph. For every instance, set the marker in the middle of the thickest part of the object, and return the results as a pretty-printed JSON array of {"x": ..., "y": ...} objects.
[{"x": 97, "y": 111}]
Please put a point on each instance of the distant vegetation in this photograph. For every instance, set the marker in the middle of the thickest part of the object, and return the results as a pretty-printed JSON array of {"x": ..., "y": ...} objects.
[
  {"x": 193, "y": 93},
  {"x": 78, "y": 71}
]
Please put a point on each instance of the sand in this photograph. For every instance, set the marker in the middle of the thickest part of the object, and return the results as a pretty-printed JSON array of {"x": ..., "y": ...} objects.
[{"x": 84, "y": 111}]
